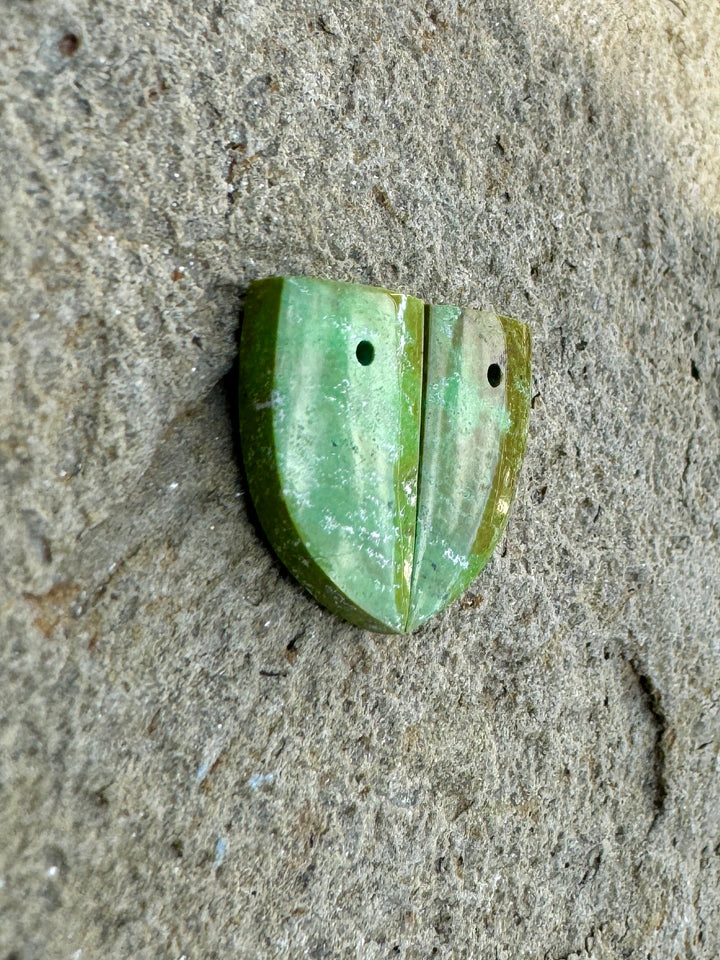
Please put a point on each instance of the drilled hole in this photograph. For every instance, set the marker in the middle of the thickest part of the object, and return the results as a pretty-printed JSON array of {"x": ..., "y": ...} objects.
[
  {"x": 494, "y": 375},
  {"x": 69, "y": 44},
  {"x": 365, "y": 353}
]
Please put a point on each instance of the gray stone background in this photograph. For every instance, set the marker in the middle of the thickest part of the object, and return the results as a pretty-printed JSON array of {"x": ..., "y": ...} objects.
[{"x": 197, "y": 761}]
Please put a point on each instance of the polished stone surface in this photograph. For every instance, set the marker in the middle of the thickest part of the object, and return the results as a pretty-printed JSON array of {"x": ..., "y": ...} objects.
[
  {"x": 475, "y": 421},
  {"x": 349, "y": 394}
]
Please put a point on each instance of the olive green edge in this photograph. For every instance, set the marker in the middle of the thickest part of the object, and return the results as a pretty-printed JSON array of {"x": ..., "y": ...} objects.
[
  {"x": 258, "y": 341},
  {"x": 406, "y": 467},
  {"x": 512, "y": 447},
  {"x": 510, "y": 457}
]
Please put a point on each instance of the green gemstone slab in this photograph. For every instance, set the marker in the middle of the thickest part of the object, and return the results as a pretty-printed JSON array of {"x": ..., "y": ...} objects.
[
  {"x": 476, "y": 403},
  {"x": 331, "y": 443},
  {"x": 382, "y": 439}
]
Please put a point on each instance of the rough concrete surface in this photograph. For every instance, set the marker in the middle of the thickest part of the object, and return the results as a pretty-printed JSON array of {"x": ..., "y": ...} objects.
[{"x": 196, "y": 760}]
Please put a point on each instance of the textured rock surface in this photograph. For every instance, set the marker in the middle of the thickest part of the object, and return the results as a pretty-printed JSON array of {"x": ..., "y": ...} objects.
[{"x": 195, "y": 759}]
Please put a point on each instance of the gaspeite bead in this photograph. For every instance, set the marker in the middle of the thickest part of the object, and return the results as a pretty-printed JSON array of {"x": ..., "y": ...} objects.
[{"x": 382, "y": 440}]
